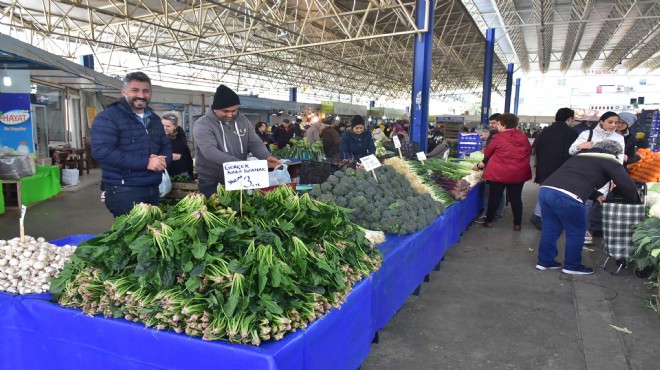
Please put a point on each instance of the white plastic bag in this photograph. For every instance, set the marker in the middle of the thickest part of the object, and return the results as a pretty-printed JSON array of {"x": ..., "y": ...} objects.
[
  {"x": 70, "y": 176},
  {"x": 280, "y": 175},
  {"x": 165, "y": 185}
]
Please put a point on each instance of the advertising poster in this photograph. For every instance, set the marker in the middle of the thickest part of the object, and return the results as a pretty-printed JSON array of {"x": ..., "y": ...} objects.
[{"x": 16, "y": 123}]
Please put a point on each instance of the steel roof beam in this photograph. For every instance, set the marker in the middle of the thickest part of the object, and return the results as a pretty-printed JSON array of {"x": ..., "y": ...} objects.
[
  {"x": 618, "y": 11},
  {"x": 643, "y": 29}
]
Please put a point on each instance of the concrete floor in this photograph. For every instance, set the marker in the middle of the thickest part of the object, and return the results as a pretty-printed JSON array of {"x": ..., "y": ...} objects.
[{"x": 487, "y": 307}]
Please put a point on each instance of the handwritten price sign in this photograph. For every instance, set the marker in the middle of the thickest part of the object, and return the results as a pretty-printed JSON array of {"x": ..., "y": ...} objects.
[
  {"x": 370, "y": 162},
  {"x": 397, "y": 142},
  {"x": 246, "y": 175}
]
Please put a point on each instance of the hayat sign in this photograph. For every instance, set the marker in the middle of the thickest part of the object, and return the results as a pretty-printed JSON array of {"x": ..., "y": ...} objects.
[
  {"x": 16, "y": 122},
  {"x": 14, "y": 117}
]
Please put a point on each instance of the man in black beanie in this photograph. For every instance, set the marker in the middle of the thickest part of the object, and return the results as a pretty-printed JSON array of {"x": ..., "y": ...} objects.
[{"x": 224, "y": 135}]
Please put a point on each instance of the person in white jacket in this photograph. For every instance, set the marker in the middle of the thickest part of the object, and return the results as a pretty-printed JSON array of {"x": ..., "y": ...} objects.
[{"x": 604, "y": 130}]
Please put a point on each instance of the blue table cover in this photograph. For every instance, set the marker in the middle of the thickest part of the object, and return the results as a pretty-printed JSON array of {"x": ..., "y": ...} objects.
[{"x": 39, "y": 334}]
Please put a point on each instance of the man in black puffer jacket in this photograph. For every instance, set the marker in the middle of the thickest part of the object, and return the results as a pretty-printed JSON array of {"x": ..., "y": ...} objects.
[{"x": 129, "y": 142}]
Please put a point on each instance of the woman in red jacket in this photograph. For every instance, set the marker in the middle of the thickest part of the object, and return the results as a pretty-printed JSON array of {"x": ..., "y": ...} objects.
[{"x": 508, "y": 167}]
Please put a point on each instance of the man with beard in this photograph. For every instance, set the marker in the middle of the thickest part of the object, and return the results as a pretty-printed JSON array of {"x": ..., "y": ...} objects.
[
  {"x": 129, "y": 142},
  {"x": 224, "y": 135}
]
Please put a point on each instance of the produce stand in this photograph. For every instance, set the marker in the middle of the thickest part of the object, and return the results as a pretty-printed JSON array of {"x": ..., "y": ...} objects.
[
  {"x": 41, "y": 334},
  {"x": 44, "y": 184}
]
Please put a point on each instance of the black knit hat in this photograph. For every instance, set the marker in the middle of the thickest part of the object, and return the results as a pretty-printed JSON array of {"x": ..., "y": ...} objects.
[
  {"x": 357, "y": 120},
  {"x": 225, "y": 97}
]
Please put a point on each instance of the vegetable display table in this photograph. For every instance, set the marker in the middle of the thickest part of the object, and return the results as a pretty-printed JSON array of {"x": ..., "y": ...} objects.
[
  {"x": 40, "y": 334},
  {"x": 44, "y": 184}
]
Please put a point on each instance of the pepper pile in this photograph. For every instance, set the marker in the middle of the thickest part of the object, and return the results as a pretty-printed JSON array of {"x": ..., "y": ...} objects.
[{"x": 200, "y": 268}]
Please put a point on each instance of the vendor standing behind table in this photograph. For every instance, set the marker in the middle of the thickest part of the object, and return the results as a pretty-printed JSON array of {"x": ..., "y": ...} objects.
[
  {"x": 182, "y": 163},
  {"x": 129, "y": 141},
  {"x": 224, "y": 135},
  {"x": 356, "y": 142},
  {"x": 563, "y": 196}
]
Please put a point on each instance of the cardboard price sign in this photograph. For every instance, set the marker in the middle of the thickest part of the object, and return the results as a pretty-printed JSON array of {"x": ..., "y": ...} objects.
[
  {"x": 397, "y": 142},
  {"x": 370, "y": 162},
  {"x": 421, "y": 156},
  {"x": 246, "y": 175}
]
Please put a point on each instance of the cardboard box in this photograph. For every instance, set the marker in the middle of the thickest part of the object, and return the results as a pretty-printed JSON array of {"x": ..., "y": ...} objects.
[{"x": 44, "y": 161}]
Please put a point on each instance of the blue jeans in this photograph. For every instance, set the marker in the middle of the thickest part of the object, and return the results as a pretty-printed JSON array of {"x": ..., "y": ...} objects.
[
  {"x": 561, "y": 213},
  {"x": 208, "y": 187},
  {"x": 120, "y": 199}
]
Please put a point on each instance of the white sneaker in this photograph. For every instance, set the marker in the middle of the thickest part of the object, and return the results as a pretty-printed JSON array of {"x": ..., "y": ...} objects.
[{"x": 588, "y": 239}]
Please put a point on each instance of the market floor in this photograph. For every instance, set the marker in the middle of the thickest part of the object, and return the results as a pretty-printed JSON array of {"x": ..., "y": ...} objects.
[{"x": 487, "y": 307}]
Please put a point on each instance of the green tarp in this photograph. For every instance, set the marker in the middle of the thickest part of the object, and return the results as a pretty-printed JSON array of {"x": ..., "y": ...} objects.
[{"x": 43, "y": 185}]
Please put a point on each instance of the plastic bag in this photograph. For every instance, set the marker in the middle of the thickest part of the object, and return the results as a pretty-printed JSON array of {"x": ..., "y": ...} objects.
[
  {"x": 70, "y": 176},
  {"x": 280, "y": 175},
  {"x": 14, "y": 167},
  {"x": 165, "y": 185}
]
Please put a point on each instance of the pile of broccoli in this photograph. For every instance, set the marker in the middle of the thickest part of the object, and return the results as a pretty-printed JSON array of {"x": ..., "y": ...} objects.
[{"x": 389, "y": 205}]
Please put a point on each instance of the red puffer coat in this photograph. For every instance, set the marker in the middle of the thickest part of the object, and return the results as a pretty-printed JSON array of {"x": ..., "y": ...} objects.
[{"x": 508, "y": 158}]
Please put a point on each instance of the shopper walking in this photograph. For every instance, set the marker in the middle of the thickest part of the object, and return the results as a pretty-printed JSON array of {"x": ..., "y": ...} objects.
[
  {"x": 552, "y": 146},
  {"x": 182, "y": 162},
  {"x": 624, "y": 128},
  {"x": 129, "y": 141},
  {"x": 313, "y": 133},
  {"x": 224, "y": 135},
  {"x": 563, "y": 196},
  {"x": 508, "y": 168},
  {"x": 356, "y": 142}
]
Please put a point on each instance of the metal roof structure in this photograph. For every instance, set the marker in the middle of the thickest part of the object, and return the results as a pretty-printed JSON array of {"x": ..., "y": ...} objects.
[{"x": 351, "y": 47}]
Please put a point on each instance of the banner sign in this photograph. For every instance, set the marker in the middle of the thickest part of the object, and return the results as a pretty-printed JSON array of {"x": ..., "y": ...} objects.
[
  {"x": 16, "y": 122},
  {"x": 246, "y": 175}
]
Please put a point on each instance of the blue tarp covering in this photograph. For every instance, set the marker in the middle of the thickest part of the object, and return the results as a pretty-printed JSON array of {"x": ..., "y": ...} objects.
[{"x": 38, "y": 334}]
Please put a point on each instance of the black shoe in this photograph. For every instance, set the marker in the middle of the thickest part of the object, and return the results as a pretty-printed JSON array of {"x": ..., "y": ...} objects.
[
  {"x": 536, "y": 221},
  {"x": 554, "y": 266},
  {"x": 582, "y": 270}
]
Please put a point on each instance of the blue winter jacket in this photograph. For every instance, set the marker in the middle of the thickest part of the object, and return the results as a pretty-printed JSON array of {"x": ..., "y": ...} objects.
[
  {"x": 354, "y": 146},
  {"x": 122, "y": 145}
]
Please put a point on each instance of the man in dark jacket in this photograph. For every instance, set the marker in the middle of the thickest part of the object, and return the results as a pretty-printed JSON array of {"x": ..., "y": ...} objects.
[
  {"x": 492, "y": 121},
  {"x": 563, "y": 196},
  {"x": 283, "y": 133},
  {"x": 129, "y": 142},
  {"x": 552, "y": 151},
  {"x": 330, "y": 138}
]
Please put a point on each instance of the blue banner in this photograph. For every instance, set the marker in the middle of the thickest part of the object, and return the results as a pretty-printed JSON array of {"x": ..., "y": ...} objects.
[{"x": 16, "y": 120}]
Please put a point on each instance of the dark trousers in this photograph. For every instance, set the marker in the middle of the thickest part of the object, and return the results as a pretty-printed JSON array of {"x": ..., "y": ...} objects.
[
  {"x": 120, "y": 199},
  {"x": 514, "y": 191},
  {"x": 208, "y": 187}
]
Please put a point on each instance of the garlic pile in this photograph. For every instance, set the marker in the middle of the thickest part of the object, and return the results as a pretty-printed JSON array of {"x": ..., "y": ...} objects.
[{"x": 28, "y": 267}]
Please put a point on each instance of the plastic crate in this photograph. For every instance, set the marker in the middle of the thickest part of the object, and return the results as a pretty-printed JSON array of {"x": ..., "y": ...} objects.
[
  {"x": 469, "y": 138},
  {"x": 72, "y": 240}
]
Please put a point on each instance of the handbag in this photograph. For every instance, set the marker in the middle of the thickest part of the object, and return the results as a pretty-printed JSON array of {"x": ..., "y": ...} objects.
[{"x": 165, "y": 185}]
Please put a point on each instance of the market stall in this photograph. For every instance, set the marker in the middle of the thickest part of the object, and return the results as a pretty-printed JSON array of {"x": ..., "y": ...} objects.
[{"x": 44, "y": 184}]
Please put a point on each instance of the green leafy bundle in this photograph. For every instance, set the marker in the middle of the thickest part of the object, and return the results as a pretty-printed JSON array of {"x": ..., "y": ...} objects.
[
  {"x": 302, "y": 149},
  {"x": 199, "y": 268},
  {"x": 646, "y": 241},
  {"x": 389, "y": 204}
]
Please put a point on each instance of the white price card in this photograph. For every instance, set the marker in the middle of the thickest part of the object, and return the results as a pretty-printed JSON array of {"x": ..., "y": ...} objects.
[
  {"x": 23, "y": 210},
  {"x": 421, "y": 156},
  {"x": 370, "y": 162},
  {"x": 397, "y": 142},
  {"x": 246, "y": 175}
]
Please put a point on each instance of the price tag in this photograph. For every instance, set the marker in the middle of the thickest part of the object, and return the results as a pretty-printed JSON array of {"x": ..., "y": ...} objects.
[
  {"x": 246, "y": 175},
  {"x": 370, "y": 162},
  {"x": 21, "y": 224},
  {"x": 421, "y": 156},
  {"x": 397, "y": 142}
]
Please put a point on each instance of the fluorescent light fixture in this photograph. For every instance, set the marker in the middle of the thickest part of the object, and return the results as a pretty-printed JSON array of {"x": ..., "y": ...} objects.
[{"x": 6, "y": 80}]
